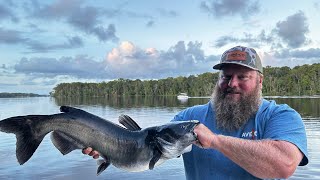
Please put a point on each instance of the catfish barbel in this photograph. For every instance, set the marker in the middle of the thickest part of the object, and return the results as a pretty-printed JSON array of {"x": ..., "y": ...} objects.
[{"x": 131, "y": 148}]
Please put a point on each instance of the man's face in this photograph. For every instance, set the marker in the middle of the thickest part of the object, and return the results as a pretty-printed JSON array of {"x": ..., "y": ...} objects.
[
  {"x": 236, "y": 97},
  {"x": 236, "y": 81}
]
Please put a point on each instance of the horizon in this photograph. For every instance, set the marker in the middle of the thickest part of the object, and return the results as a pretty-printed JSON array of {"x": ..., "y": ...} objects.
[
  {"x": 45, "y": 43},
  {"x": 216, "y": 71}
]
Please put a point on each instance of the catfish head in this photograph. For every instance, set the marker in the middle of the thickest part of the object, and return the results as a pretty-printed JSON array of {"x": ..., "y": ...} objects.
[{"x": 176, "y": 138}]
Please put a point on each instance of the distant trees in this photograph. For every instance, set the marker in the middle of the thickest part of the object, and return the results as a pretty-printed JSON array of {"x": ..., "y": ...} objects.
[
  {"x": 301, "y": 80},
  {"x": 19, "y": 95}
]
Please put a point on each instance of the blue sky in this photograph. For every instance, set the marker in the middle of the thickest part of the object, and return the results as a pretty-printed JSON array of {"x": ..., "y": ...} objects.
[{"x": 44, "y": 43}]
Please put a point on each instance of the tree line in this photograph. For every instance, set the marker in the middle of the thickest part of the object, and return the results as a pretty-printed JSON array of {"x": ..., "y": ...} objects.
[
  {"x": 278, "y": 81},
  {"x": 19, "y": 95}
]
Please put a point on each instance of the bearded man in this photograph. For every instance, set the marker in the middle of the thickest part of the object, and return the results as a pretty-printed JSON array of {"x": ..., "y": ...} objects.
[{"x": 242, "y": 135}]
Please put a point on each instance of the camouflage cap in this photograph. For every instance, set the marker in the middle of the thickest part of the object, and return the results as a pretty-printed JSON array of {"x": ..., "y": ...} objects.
[{"x": 241, "y": 55}]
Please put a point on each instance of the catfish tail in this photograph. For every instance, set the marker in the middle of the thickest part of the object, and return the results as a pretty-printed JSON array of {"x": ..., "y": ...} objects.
[{"x": 27, "y": 133}]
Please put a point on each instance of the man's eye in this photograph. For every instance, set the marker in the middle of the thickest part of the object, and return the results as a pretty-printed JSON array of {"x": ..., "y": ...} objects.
[
  {"x": 243, "y": 77},
  {"x": 226, "y": 77}
]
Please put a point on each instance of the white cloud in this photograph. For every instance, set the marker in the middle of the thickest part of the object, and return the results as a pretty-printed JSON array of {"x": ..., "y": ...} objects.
[{"x": 130, "y": 61}]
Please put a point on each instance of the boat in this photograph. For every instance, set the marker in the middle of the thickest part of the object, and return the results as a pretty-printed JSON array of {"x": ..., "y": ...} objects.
[{"x": 183, "y": 96}]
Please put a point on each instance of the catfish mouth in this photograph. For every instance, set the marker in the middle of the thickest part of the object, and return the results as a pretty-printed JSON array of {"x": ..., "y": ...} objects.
[{"x": 196, "y": 123}]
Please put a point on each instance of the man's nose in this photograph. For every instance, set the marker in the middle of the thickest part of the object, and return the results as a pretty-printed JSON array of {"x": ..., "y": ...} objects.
[{"x": 233, "y": 82}]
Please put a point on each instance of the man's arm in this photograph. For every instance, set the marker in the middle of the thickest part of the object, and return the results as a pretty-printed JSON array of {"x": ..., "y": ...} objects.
[{"x": 261, "y": 158}]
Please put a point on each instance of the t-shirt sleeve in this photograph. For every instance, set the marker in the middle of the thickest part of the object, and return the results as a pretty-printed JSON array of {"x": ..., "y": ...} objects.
[
  {"x": 181, "y": 116},
  {"x": 197, "y": 112},
  {"x": 286, "y": 124}
]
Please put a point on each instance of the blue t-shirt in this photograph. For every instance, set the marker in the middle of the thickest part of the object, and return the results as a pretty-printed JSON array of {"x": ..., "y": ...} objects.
[{"x": 272, "y": 121}]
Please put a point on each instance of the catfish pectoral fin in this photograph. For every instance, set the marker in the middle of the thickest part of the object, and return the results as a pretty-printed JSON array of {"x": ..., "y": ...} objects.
[
  {"x": 155, "y": 159},
  {"x": 103, "y": 166},
  {"x": 64, "y": 143}
]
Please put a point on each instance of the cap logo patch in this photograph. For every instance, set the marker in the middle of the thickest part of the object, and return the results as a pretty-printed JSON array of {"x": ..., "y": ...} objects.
[{"x": 236, "y": 56}]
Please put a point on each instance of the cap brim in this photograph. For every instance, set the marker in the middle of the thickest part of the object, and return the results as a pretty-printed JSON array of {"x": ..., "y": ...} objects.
[{"x": 220, "y": 65}]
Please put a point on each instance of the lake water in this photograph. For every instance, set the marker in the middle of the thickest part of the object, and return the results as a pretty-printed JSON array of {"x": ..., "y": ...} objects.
[{"x": 48, "y": 163}]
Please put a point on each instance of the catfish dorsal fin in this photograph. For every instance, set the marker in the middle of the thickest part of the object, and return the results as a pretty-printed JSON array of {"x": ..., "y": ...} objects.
[
  {"x": 129, "y": 123},
  {"x": 68, "y": 109}
]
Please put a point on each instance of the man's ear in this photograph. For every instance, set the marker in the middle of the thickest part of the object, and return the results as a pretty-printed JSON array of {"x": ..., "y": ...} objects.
[{"x": 260, "y": 81}]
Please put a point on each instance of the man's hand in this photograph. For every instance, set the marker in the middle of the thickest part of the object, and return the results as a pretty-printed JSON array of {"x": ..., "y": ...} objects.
[
  {"x": 205, "y": 136},
  {"x": 89, "y": 151}
]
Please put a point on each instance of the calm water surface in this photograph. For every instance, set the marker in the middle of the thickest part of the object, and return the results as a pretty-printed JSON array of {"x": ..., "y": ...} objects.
[{"x": 48, "y": 163}]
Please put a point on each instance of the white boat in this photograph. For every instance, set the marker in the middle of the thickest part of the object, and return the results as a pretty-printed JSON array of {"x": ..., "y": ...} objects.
[{"x": 183, "y": 96}]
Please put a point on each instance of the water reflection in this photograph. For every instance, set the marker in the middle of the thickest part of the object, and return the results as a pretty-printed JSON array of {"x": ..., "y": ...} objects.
[
  {"x": 131, "y": 101},
  {"x": 307, "y": 107}
]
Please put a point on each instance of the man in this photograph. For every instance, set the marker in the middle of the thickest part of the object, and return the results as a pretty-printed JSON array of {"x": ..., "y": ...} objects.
[{"x": 242, "y": 135}]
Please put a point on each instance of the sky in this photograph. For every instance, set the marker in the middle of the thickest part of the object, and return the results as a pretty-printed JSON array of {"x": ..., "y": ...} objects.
[{"x": 44, "y": 43}]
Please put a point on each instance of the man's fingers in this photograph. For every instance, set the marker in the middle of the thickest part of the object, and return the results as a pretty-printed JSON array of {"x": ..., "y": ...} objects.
[
  {"x": 93, "y": 153},
  {"x": 197, "y": 143},
  {"x": 96, "y": 156},
  {"x": 87, "y": 150}
]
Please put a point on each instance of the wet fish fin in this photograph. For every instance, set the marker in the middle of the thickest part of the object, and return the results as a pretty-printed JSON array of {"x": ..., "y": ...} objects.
[
  {"x": 24, "y": 127},
  {"x": 129, "y": 123},
  {"x": 156, "y": 156},
  {"x": 64, "y": 143},
  {"x": 69, "y": 109},
  {"x": 26, "y": 146},
  {"x": 103, "y": 165}
]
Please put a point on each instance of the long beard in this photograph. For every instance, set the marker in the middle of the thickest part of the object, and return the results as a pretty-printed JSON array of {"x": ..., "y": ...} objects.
[{"x": 232, "y": 115}]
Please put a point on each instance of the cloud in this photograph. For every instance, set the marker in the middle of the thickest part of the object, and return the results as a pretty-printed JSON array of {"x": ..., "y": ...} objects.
[
  {"x": 75, "y": 13},
  {"x": 7, "y": 12},
  {"x": 36, "y": 46},
  {"x": 130, "y": 61},
  {"x": 80, "y": 66},
  {"x": 16, "y": 37},
  {"x": 11, "y": 36},
  {"x": 293, "y": 30},
  {"x": 150, "y": 24},
  {"x": 222, "y": 8},
  {"x": 290, "y": 57},
  {"x": 34, "y": 80},
  {"x": 251, "y": 40},
  {"x": 163, "y": 13},
  {"x": 303, "y": 54},
  {"x": 167, "y": 13},
  {"x": 105, "y": 34},
  {"x": 125, "y": 61},
  {"x": 316, "y": 5}
]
